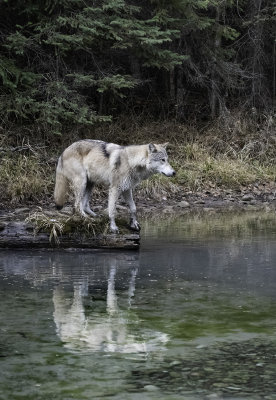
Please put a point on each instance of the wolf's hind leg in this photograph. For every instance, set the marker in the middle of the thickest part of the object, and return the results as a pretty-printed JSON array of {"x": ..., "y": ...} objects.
[
  {"x": 86, "y": 198},
  {"x": 128, "y": 197},
  {"x": 79, "y": 187}
]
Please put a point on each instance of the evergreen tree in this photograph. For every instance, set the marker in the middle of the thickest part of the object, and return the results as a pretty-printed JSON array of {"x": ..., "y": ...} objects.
[{"x": 67, "y": 62}]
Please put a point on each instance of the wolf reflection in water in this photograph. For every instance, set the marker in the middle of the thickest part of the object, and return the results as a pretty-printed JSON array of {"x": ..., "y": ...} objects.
[{"x": 114, "y": 330}]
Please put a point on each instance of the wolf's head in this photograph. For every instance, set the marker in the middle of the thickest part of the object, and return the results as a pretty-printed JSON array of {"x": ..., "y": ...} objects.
[{"x": 158, "y": 160}]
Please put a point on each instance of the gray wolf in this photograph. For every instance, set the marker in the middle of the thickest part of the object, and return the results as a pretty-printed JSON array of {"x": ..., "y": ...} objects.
[{"x": 90, "y": 162}]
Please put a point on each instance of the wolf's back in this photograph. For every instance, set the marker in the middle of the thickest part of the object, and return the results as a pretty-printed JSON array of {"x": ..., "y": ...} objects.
[{"x": 61, "y": 186}]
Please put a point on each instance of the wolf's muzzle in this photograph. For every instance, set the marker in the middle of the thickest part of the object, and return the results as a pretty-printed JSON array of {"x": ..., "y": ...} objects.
[{"x": 173, "y": 173}]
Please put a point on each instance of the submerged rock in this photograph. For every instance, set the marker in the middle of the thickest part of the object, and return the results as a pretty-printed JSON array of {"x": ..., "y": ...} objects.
[
  {"x": 200, "y": 201},
  {"x": 247, "y": 197},
  {"x": 151, "y": 388},
  {"x": 245, "y": 368},
  {"x": 183, "y": 204}
]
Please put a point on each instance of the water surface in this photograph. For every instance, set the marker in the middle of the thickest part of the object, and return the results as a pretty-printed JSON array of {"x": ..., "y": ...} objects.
[{"x": 191, "y": 315}]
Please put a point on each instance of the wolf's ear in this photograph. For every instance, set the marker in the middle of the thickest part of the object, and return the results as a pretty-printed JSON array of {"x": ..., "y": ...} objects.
[
  {"x": 164, "y": 145},
  {"x": 152, "y": 148}
]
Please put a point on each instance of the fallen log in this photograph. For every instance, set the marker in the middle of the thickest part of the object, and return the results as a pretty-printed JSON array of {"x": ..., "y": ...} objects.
[{"x": 26, "y": 234}]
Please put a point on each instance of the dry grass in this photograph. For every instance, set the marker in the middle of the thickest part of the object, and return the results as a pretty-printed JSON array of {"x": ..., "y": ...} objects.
[
  {"x": 43, "y": 223},
  {"x": 197, "y": 169},
  {"x": 24, "y": 178},
  {"x": 244, "y": 136},
  {"x": 157, "y": 187},
  {"x": 61, "y": 224}
]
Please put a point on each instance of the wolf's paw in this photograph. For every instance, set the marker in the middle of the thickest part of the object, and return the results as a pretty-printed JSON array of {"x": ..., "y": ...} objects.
[
  {"x": 114, "y": 228},
  {"x": 90, "y": 213},
  {"x": 135, "y": 225}
]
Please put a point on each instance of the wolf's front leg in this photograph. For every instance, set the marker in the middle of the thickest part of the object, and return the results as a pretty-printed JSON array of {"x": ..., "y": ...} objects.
[
  {"x": 134, "y": 224},
  {"x": 112, "y": 199}
]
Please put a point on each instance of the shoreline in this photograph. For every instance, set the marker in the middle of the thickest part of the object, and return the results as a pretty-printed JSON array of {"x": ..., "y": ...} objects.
[
  {"x": 207, "y": 203},
  {"x": 38, "y": 226}
]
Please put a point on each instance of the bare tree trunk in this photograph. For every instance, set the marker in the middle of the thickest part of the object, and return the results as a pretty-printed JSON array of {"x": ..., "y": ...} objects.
[
  {"x": 274, "y": 75},
  {"x": 255, "y": 34},
  {"x": 172, "y": 85},
  {"x": 180, "y": 93},
  {"x": 214, "y": 99},
  {"x": 100, "y": 110},
  {"x": 135, "y": 67}
]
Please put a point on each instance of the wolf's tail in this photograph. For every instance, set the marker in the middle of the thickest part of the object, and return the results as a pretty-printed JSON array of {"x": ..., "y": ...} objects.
[{"x": 61, "y": 186}]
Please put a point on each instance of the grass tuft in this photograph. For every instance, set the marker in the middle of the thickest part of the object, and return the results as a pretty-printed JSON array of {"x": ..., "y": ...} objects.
[
  {"x": 44, "y": 223},
  {"x": 74, "y": 225}
]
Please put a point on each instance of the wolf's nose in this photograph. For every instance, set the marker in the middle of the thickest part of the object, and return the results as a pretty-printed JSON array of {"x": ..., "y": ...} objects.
[{"x": 174, "y": 173}]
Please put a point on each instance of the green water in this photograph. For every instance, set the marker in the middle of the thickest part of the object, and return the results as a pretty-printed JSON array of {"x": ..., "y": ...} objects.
[{"x": 192, "y": 315}]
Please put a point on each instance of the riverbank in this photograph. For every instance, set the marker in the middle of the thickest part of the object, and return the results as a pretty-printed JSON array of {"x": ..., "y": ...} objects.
[
  {"x": 20, "y": 225},
  {"x": 34, "y": 226}
]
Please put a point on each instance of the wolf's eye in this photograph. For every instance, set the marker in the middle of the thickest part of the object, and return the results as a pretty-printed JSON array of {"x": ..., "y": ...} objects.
[{"x": 163, "y": 160}]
